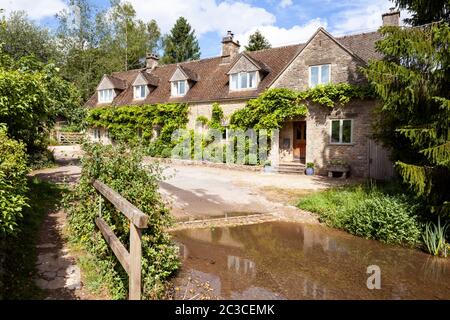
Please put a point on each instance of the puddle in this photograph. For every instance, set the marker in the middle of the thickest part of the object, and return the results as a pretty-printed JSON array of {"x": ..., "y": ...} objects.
[{"x": 281, "y": 260}]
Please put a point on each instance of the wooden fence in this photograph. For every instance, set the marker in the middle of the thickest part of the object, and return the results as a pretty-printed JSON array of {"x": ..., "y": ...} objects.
[
  {"x": 68, "y": 137},
  {"x": 130, "y": 261}
]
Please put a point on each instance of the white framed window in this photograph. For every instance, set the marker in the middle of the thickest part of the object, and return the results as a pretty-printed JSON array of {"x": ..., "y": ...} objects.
[
  {"x": 320, "y": 74},
  {"x": 97, "y": 135},
  {"x": 140, "y": 92},
  {"x": 179, "y": 88},
  {"x": 341, "y": 131},
  {"x": 244, "y": 80},
  {"x": 106, "y": 95}
]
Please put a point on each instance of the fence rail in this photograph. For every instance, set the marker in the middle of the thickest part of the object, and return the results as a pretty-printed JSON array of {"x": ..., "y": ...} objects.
[
  {"x": 68, "y": 137},
  {"x": 130, "y": 260}
]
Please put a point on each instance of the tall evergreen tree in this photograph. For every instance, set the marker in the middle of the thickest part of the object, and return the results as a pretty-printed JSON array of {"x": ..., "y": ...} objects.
[
  {"x": 257, "y": 42},
  {"x": 425, "y": 11},
  {"x": 413, "y": 83},
  {"x": 180, "y": 44}
]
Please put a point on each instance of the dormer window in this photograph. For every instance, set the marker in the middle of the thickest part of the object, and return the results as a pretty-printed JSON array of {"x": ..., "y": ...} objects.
[
  {"x": 140, "y": 92},
  {"x": 106, "y": 95},
  {"x": 179, "y": 88},
  {"x": 243, "y": 80}
]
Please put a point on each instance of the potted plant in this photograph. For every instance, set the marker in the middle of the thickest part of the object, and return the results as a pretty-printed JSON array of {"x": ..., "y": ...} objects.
[
  {"x": 309, "y": 169},
  {"x": 267, "y": 166}
]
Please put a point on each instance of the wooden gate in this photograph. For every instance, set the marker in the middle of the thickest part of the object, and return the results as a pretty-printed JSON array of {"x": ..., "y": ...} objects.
[
  {"x": 380, "y": 166},
  {"x": 69, "y": 137}
]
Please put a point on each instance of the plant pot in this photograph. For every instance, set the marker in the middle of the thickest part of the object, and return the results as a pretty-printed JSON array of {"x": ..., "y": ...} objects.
[
  {"x": 268, "y": 169},
  {"x": 309, "y": 171}
]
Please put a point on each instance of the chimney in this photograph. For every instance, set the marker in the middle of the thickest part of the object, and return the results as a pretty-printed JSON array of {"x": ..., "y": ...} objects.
[
  {"x": 230, "y": 48},
  {"x": 391, "y": 18},
  {"x": 151, "y": 61}
]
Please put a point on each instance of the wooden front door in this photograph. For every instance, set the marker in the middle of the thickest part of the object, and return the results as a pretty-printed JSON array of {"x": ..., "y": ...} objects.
[{"x": 300, "y": 141}]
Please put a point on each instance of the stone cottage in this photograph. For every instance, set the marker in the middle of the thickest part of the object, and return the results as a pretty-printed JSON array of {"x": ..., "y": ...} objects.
[{"x": 235, "y": 77}]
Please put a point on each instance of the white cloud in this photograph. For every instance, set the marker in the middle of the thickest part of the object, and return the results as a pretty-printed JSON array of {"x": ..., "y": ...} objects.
[
  {"x": 285, "y": 3},
  {"x": 35, "y": 9},
  {"x": 204, "y": 15},
  {"x": 283, "y": 36}
]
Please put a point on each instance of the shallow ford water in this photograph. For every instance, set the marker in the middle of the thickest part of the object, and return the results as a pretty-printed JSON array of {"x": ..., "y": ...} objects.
[{"x": 280, "y": 260}]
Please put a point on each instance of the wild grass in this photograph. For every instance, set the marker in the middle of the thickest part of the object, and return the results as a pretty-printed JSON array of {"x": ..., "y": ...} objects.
[
  {"x": 373, "y": 212},
  {"x": 434, "y": 238},
  {"x": 19, "y": 253}
]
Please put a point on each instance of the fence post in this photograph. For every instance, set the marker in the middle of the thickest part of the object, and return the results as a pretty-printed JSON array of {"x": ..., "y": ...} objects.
[{"x": 135, "y": 263}]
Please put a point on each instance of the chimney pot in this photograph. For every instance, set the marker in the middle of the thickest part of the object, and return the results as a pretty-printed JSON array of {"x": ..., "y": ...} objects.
[{"x": 151, "y": 61}]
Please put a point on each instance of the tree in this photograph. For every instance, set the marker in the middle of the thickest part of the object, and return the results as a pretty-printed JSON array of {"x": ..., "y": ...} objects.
[
  {"x": 180, "y": 44},
  {"x": 257, "y": 42},
  {"x": 413, "y": 84},
  {"x": 424, "y": 11},
  {"x": 33, "y": 96},
  {"x": 20, "y": 37}
]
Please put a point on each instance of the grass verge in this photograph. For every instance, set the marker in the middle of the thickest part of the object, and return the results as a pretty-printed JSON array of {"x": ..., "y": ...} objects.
[
  {"x": 380, "y": 212},
  {"x": 19, "y": 251}
]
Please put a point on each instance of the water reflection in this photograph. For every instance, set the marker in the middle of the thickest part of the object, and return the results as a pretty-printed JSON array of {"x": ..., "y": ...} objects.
[{"x": 280, "y": 260}]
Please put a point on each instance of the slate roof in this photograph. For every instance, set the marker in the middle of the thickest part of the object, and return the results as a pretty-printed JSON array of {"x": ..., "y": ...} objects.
[{"x": 212, "y": 81}]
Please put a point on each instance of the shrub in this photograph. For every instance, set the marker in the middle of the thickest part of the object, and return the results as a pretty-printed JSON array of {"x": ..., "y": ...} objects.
[
  {"x": 13, "y": 182},
  {"x": 122, "y": 170},
  {"x": 387, "y": 218},
  {"x": 367, "y": 212}
]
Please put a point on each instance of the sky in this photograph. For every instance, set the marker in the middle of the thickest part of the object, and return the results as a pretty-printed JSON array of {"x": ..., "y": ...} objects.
[{"x": 282, "y": 22}]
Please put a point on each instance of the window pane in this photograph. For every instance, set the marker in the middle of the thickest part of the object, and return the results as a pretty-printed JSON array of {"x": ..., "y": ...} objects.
[
  {"x": 181, "y": 87},
  {"x": 314, "y": 76},
  {"x": 244, "y": 80},
  {"x": 252, "y": 80},
  {"x": 346, "y": 131},
  {"x": 142, "y": 91},
  {"x": 325, "y": 74},
  {"x": 335, "y": 131},
  {"x": 234, "y": 81}
]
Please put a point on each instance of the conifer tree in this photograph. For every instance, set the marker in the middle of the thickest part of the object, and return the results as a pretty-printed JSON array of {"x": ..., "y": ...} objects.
[
  {"x": 257, "y": 42},
  {"x": 413, "y": 84},
  {"x": 180, "y": 44}
]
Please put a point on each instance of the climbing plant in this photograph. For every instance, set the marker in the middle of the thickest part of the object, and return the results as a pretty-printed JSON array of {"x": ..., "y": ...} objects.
[
  {"x": 136, "y": 123},
  {"x": 277, "y": 105}
]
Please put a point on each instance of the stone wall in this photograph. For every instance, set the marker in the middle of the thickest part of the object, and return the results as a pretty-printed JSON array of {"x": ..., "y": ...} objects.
[
  {"x": 205, "y": 109},
  {"x": 318, "y": 130},
  {"x": 321, "y": 50}
]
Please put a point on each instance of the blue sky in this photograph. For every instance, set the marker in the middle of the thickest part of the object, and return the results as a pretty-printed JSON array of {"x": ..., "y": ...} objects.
[{"x": 281, "y": 21}]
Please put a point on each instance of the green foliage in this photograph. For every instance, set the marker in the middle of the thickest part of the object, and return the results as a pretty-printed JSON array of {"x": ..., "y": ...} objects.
[
  {"x": 412, "y": 82},
  {"x": 274, "y": 106},
  {"x": 257, "y": 41},
  {"x": 135, "y": 124},
  {"x": 18, "y": 250},
  {"x": 423, "y": 12},
  {"x": 434, "y": 237},
  {"x": 202, "y": 119},
  {"x": 13, "y": 183},
  {"x": 180, "y": 44},
  {"x": 21, "y": 37},
  {"x": 122, "y": 170},
  {"x": 368, "y": 212},
  {"x": 33, "y": 95}
]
